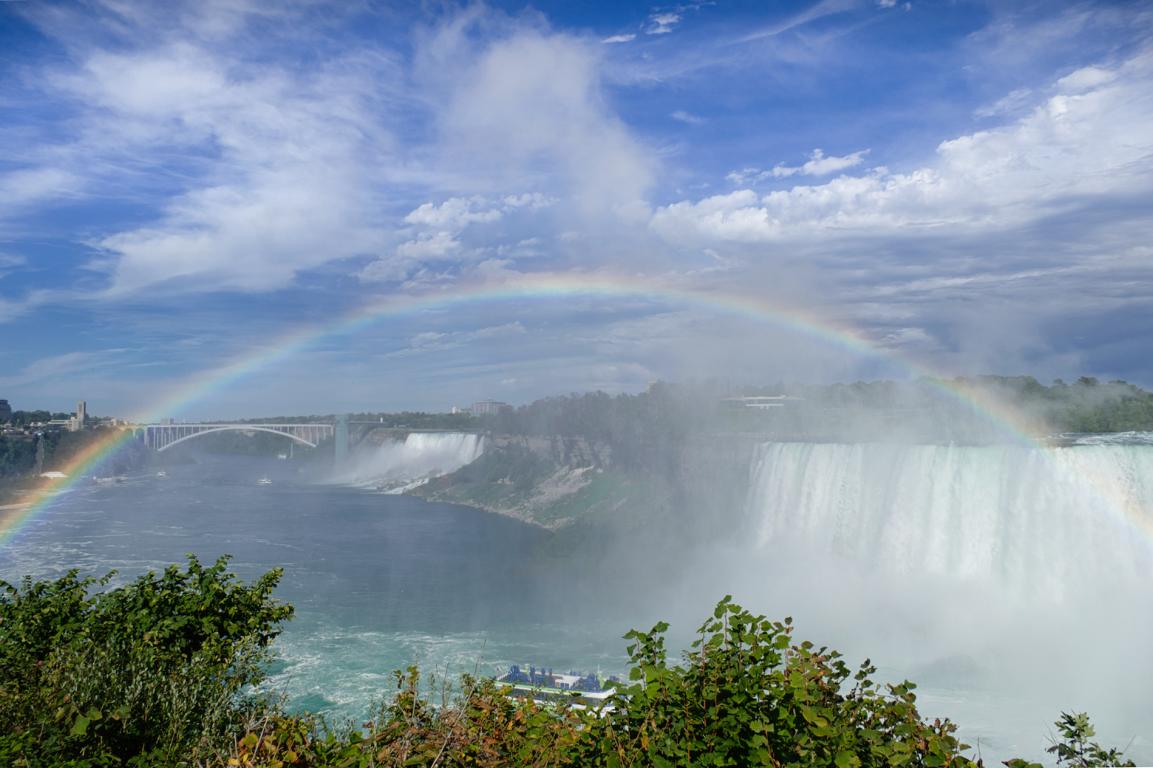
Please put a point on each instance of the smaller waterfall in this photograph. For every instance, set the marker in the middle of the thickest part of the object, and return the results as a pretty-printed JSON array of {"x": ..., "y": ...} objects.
[{"x": 400, "y": 465}]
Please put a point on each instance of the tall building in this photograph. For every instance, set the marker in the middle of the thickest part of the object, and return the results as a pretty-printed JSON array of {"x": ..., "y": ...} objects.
[
  {"x": 81, "y": 417},
  {"x": 5, "y": 412}
]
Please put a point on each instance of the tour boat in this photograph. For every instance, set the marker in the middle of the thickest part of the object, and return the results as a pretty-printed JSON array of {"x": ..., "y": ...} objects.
[{"x": 546, "y": 686}]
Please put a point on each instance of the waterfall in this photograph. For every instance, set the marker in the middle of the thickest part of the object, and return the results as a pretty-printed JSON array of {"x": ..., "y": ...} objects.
[
  {"x": 399, "y": 465},
  {"x": 1037, "y": 522},
  {"x": 1011, "y": 581}
]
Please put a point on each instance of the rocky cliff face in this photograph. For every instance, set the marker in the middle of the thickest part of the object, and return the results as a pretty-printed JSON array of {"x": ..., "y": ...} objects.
[
  {"x": 557, "y": 482},
  {"x": 540, "y": 480}
]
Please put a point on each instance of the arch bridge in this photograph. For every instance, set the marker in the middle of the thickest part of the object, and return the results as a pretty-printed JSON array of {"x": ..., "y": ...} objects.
[{"x": 161, "y": 437}]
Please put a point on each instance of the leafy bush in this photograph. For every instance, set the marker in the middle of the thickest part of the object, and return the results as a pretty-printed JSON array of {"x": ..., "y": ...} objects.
[
  {"x": 148, "y": 673},
  {"x": 159, "y": 673},
  {"x": 1074, "y": 748},
  {"x": 748, "y": 695}
]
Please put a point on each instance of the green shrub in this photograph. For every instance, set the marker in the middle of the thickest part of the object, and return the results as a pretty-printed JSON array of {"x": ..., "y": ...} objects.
[
  {"x": 748, "y": 695},
  {"x": 159, "y": 674},
  {"x": 153, "y": 672}
]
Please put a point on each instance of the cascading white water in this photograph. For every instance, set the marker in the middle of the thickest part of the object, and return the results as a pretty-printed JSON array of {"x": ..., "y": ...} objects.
[
  {"x": 400, "y": 465},
  {"x": 1039, "y": 522},
  {"x": 1016, "y": 582}
]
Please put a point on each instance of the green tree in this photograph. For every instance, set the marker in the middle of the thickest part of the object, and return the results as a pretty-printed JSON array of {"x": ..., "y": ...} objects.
[
  {"x": 1075, "y": 749},
  {"x": 154, "y": 671}
]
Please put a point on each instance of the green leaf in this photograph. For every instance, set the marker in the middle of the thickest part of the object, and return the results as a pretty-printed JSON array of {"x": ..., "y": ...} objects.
[
  {"x": 846, "y": 759},
  {"x": 80, "y": 727}
]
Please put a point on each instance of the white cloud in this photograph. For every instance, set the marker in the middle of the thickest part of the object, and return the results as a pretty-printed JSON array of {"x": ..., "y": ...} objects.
[
  {"x": 816, "y": 11},
  {"x": 410, "y": 255},
  {"x": 531, "y": 200},
  {"x": 254, "y": 168},
  {"x": 747, "y": 176},
  {"x": 1010, "y": 104},
  {"x": 526, "y": 111},
  {"x": 258, "y": 169},
  {"x": 454, "y": 213},
  {"x": 1094, "y": 142},
  {"x": 254, "y": 234},
  {"x": 1085, "y": 79},
  {"x": 28, "y": 186},
  {"x": 8, "y": 261},
  {"x": 435, "y": 246},
  {"x": 439, "y": 341},
  {"x": 820, "y": 164},
  {"x": 439, "y": 228},
  {"x": 687, "y": 117},
  {"x": 69, "y": 363},
  {"x": 617, "y": 39},
  {"x": 662, "y": 23}
]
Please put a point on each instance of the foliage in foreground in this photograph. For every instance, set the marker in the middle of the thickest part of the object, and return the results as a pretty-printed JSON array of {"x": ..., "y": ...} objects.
[
  {"x": 151, "y": 673},
  {"x": 161, "y": 673}
]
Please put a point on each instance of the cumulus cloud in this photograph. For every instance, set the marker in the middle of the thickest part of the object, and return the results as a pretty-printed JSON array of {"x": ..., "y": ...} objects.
[
  {"x": 455, "y": 213},
  {"x": 428, "y": 247},
  {"x": 255, "y": 169},
  {"x": 278, "y": 162},
  {"x": 438, "y": 229},
  {"x": 1089, "y": 139},
  {"x": 436, "y": 245},
  {"x": 818, "y": 164},
  {"x": 526, "y": 110}
]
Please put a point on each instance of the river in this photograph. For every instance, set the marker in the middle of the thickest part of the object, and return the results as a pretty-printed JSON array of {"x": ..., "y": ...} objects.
[{"x": 379, "y": 581}]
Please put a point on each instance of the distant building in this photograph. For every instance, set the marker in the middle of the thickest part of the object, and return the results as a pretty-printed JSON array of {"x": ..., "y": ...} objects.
[
  {"x": 80, "y": 420},
  {"x": 489, "y": 408},
  {"x": 5, "y": 412}
]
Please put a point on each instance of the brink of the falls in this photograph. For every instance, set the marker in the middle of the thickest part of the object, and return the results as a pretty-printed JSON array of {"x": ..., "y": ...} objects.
[{"x": 399, "y": 465}]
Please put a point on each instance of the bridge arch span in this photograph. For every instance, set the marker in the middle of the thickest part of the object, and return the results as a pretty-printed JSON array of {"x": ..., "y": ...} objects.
[{"x": 236, "y": 428}]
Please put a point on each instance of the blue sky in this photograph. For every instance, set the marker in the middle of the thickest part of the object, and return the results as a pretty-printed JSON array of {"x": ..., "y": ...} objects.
[{"x": 967, "y": 185}]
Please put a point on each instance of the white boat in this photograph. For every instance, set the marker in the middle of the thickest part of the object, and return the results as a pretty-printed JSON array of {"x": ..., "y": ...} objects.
[
  {"x": 162, "y": 473},
  {"x": 545, "y": 686},
  {"x": 264, "y": 481}
]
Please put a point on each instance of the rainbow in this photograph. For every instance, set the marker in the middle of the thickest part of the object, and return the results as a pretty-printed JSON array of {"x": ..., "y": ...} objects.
[{"x": 534, "y": 287}]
